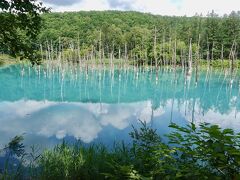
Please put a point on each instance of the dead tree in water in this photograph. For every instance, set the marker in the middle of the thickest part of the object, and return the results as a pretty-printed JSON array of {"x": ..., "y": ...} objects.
[
  {"x": 60, "y": 50},
  {"x": 155, "y": 48},
  {"x": 175, "y": 54},
  {"x": 197, "y": 59},
  {"x": 119, "y": 52},
  {"x": 169, "y": 51},
  {"x": 41, "y": 50},
  {"x": 208, "y": 54},
  {"x": 212, "y": 57},
  {"x": 181, "y": 57},
  {"x": 232, "y": 55},
  {"x": 119, "y": 56},
  {"x": 222, "y": 55},
  {"x": 78, "y": 48},
  {"x": 100, "y": 47},
  {"x": 190, "y": 57},
  {"x": 125, "y": 53},
  {"x": 163, "y": 50}
]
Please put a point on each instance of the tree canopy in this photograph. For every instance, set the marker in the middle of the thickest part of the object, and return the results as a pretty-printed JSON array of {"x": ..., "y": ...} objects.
[
  {"x": 138, "y": 30},
  {"x": 20, "y": 23},
  {"x": 133, "y": 34}
]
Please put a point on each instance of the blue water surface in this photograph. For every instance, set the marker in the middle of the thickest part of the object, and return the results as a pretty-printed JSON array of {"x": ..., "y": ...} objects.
[{"x": 100, "y": 105}]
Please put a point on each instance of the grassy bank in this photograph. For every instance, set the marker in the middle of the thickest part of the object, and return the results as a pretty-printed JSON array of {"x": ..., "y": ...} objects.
[
  {"x": 7, "y": 60},
  {"x": 204, "y": 152},
  {"x": 219, "y": 63},
  {"x": 203, "y": 64}
]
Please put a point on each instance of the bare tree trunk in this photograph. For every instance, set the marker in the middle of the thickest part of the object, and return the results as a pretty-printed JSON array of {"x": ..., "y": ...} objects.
[
  {"x": 146, "y": 58},
  {"x": 181, "y": 56},
  {"x": 92, "y": 53},
  {"x": 125, "y": 53},
  {"x": 161, "y": 55},
  {"x": 234, "y": 55},
  {"x": 119, "y": 53},
  {"x": 100, "y": 47},
  {"x": 190, "y": 57},
  {"x": 175, "y": 54},
  {"x": 197, "y": 59},
  {"x": 41, "y": 49},
  {"x": 52, "y": 51},
  {"x": 155, "y": 47},
  {"x": 222, "y": 55},
  {"x": 59, "y": 49},
  {"x": 169, "y": 51},
  {"x": 103, "y": 56},
  {"x": 79, "y": 58},
  {"x": 212, "y": 54},
  {"x": 163, "y": 52},
  {"x": 208, "y": 54},
  {"x": 231, "y": 56}
]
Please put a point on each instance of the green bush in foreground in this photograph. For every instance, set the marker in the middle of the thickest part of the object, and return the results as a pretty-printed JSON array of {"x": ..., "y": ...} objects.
[{"x": 203, "y": 152}]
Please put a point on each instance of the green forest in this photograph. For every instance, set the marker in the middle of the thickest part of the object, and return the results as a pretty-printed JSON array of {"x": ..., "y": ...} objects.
[
  {"x": 137, "y": 36},
  {"x": 143, "y": 35}
]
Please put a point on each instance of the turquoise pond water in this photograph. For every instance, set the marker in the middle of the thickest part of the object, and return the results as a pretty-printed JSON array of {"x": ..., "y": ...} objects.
[{"x": 92, "y": 105}]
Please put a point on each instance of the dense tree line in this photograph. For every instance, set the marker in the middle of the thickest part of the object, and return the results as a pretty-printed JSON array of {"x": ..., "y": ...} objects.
[
  {"x": 121, "y": 35},
  {"x": 144, "y": 36}
]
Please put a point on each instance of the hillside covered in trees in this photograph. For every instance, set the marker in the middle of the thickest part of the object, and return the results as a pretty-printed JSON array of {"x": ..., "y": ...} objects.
[
  {"x": 138, "y": 33},
  {"x": 141, "y": 36}
]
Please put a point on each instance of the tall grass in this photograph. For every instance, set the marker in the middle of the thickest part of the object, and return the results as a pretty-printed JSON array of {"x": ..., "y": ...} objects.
[{"x": 204, "y": 152}]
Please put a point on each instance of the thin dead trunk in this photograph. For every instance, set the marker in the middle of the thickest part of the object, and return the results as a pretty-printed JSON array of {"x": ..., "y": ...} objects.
[
  {"x": 222, "y": 55},
  {"x": 155, "y": 47},
  {"x": 190, "y": 57},
  {"x": 100, "y": 47}
]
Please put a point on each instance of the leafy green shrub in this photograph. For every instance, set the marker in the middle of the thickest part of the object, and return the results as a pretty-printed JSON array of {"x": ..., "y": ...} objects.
[
  {"x": 192, "y": 152},
  {"x": 209, "y": 148},
  {"x": 15, "y": 148}
]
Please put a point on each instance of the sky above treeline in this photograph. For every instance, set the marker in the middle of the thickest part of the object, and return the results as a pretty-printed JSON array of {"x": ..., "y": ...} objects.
[{"x": 160, "y": 7}]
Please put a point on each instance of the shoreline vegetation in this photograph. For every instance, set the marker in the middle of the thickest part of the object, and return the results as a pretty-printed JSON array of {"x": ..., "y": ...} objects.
[
  {"x": 7, "y": 60},
  {"x": 191, "y": 152}
]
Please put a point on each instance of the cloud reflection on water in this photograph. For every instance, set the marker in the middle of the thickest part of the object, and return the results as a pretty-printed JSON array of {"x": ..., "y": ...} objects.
[
  {"x": 81, "y": 120},
  {"x": 85, "y": 121}
]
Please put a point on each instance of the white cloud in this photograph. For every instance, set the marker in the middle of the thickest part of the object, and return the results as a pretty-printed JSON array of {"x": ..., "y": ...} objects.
[
  {"x": 162, "y": 7},
  {"x": 61, "y": 2},
  {"x": 190, "y": 7},
  {"x": 84, "y": 5}
]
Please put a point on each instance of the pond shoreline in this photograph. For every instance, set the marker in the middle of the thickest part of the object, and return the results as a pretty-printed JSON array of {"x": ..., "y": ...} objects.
[
  {"x": 7, "y": 60},
  {"x": 189, "y": 153}
]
